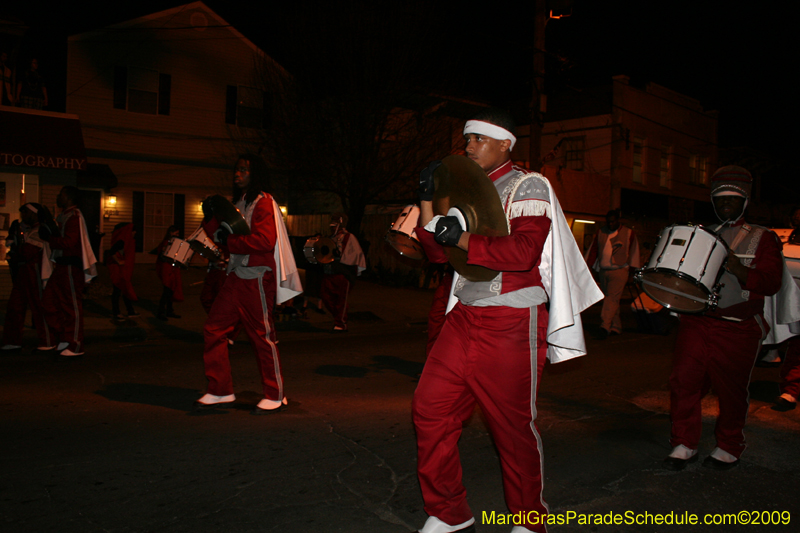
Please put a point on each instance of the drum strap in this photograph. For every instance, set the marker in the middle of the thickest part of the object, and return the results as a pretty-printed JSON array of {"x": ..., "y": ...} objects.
[{"x": 745, "y": 229}]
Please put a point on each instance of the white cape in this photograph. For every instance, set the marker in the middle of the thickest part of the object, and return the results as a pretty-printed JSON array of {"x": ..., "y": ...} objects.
[
  {"x": 568, "y": 282},
  {"x": 286, "y": 275}
]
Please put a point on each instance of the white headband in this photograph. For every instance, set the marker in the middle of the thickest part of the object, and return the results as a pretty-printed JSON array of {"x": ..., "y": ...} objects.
[
  {"x": 480, "y": 127},
  {"x": 728, "y": 192},
  {"x": 31, "y": 207}
]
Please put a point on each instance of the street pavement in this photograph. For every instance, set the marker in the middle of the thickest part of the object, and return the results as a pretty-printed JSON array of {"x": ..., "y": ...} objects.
[{"x": 110, "y": 442}]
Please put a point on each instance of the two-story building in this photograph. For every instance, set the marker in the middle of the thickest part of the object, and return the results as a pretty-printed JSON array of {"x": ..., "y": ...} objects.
[
  {"x": 647, "y": 150},
  {"x": 167, "y": 101}
]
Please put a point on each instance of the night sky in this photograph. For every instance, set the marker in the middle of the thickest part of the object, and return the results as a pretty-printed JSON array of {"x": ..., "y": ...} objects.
[{"x": 733, "y": 57}]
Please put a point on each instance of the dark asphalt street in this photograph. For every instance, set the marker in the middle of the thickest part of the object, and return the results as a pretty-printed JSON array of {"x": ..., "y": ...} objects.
[{"x": 110, "y": 443}]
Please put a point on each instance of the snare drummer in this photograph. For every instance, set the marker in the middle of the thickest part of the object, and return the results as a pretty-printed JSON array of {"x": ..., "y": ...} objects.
[
  {"x": 718, "y": 349},
  {"x": 338, "y": 277},
  {"x": 170, "y": 277}
]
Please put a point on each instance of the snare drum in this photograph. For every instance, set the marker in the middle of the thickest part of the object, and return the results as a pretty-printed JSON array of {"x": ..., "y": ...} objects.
[
  {"x": 684, "y": 269},
  {"x": 201, "y": 243},
  {"x": 403, "y": 236},
  {"x": 178, "y": 253},
  {"x": 320, "y": 250}
]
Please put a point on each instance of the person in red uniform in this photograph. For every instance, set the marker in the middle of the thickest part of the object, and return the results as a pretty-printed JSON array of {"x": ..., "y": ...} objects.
[
  {"x": 338, "y": 277},
  {"x": 62, "y": 300},
  {"x": 492, "y": 347},
  {"x": 28, "y": 285},
  {"x": 790, "y": 369},
  {"x": 248, "y": 295},
  {"x": 120, "y": 263},
  {"x": 717, "y": 350},
  {"x": 170, "y": 277}
]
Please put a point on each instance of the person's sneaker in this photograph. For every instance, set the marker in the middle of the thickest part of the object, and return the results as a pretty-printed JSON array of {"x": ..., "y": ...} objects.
[
  {"x": 210, "y": 401},
  {"x": 786, "y": 402},
  {"x": 70, "y": 353}
]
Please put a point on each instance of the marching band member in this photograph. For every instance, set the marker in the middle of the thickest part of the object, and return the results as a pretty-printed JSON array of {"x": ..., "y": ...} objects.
[
  {"x": 33, "y": 267},
  {"x": 719, "y": 348},
  {"x": 62, "y": 300},
  {"x": 170, "y": 277},
  {"x": 338, "y": 277},
  {"x": 258, "y": 273},
  {"x": 493, "y": 345},
  {"x": 120, "y": 263}
]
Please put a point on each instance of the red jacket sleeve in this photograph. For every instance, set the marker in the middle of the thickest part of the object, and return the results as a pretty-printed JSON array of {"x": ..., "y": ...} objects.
[
  {"x": 518, "y": 252},
  {"x": 433, "y": 250},
  {"x": 263, "y": 232},
  {"x": 767, "y": 267}
]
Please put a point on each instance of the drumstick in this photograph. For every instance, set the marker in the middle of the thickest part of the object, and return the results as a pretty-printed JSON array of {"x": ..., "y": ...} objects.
[{"x": 745, "y": 256}]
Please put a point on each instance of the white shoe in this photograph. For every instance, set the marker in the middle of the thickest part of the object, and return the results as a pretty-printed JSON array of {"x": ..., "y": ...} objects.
[
  {"x": 62, "y": 345},
  {"x": 434, "y": 525},
  {"x": 211, "y": 399},
  {"x": 46, "y": 348},
  {"x": 682, "y": 452},
  {"x": 10, "y": 347},
  {"x": 520, "y": 529},
  {"x": 266, "y": 406},
  {"x": 230, "y": 342},
  {"x": 70, "y": 353}
]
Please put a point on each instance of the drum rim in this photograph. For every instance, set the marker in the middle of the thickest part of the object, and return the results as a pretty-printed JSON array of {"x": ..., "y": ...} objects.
[{"x": 684, "y": 277}]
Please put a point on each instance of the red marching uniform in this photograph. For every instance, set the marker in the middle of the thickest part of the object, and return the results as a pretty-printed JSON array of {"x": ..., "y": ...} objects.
[
  {"x": 337, "y": 279},
  {"x": 490, "y": 355},
  {"x": 719, "y": 349},
  {"x": 169, "y": 275},
  {"x": 62, "y": 301},
  {"x": 247, "y": 296},
  {"x": 27, "y": 291}
]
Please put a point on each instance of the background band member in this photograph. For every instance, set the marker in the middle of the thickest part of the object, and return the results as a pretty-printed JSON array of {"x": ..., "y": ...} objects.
[
  {"x": 613, "y": 252},
  {"x": 170, "y": 277},
  {"x": 120, "y": 263},
  {"x": 62, "y": 300},
  {"x": 718, "y": 349},
  {"x": 790, "y": 370},
  {"x": 492, "y": 347},
  {"x": 31, "y": 256},
  {"x": 249, "y": 293},
  {"x": 338, "y": 277}
]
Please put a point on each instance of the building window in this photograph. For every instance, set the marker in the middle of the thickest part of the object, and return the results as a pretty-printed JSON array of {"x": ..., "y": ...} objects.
[
  {"x": 142, "y": 90},
  {"x": 574, "y": 150},
  {"x": 248, "y": 107},
  {"x": 638, "y": 159},
  {"x": 698, "y": 169},
  {"x": 666, "y": 166}
]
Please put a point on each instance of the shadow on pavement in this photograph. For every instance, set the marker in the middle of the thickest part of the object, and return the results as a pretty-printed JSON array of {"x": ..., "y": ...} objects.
[{"x": 176, "y": 398}]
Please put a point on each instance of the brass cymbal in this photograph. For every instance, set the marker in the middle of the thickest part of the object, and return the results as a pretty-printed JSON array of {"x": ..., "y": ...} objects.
[
  {"x": 225, "y": 211},
  {"x": 461, "y": 183}
]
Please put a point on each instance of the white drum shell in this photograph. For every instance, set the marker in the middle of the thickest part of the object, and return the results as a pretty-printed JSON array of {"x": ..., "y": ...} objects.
[
  {"x": 203, "y": 244},
  {"x": 178, "y": 253},
  {"x": 691, "y": 252},
  {"x": 406, "y": 223}
]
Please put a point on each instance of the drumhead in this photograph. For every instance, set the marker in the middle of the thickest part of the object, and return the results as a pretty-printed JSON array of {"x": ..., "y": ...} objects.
[
  {"x": 675, "y": 291},
  {"x": 405, "y": 245}
]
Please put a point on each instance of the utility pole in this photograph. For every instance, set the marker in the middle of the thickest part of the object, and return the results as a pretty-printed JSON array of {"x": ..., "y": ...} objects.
[{"x": 537, "y": 106}]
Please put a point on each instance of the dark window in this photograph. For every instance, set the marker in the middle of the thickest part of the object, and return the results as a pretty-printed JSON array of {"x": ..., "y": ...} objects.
[
  {"x": 142, "y": 90},
  {"x": 247, "y": 107}
]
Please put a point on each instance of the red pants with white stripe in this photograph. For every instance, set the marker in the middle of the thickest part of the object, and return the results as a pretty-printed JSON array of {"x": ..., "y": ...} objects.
[
  {"x": 334, "y": 291},
  {"x": 790, "y": 369},
  {"x": 25, "y": 293},
  {"x": 492, "y": 356},
  {"x": 436, "y": 315},
  {"x": 719, "y": 355},
  {"x": 62, "y": 305},
  {"x": 250, "y": 301}
]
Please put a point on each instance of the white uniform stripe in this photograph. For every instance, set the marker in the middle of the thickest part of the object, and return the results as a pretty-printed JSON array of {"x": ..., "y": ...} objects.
[
  {"x": 265, "y": 318},
  {"x": 533, "y": 341}
]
